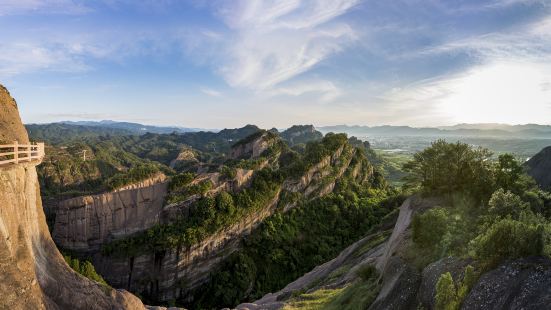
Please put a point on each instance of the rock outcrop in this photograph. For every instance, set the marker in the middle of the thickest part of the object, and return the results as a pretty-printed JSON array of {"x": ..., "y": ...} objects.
[
  {"x": 539, "y": 167},
  {"x": 521, "y": 284},
  {"x": 301, "y": 134},
  {"x": 85, "y": 223},
  {"x": 400, "y": 281},
  {"x": 172, "y": 274},
  {"x": 252, "y": 146},
  {"x": 34, "y": 274}
]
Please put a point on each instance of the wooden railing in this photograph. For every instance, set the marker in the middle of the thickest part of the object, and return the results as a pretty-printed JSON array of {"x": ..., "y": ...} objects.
[{"x": 18, "y": 153}]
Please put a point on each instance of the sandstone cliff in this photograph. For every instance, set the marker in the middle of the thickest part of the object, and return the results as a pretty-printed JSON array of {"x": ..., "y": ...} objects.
[
  {"x": 34, "y": 274},
  {"x": 171, "y": 274},
  {"x": 85, "y": 223},
  {"x": 253, "y": 146}
]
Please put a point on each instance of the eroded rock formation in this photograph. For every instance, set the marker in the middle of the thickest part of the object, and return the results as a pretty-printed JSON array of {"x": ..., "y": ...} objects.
[
  {"x": 34, "y": 274},
  {"x": 85, "y": 223}
]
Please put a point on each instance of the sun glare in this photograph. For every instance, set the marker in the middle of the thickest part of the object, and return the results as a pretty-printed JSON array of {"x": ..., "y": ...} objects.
[{"x": 511, "y": 93}]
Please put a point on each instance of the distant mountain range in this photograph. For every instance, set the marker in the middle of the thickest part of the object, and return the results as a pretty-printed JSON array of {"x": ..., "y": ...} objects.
[
  {"x": 132, "y": 127},
  {"x": 530, "y": 131}
]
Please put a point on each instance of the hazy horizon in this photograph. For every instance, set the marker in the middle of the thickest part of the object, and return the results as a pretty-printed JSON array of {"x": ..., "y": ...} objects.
[
  {"x": 214, "y": 64},
  {"x": 268, "y": 127}
]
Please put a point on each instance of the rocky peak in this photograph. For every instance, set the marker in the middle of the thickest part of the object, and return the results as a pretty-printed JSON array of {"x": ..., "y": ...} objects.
[
  {"x": 301, "y": 134},
  {"x": 34, "y": 274},
  {"x": 11, "y": 127},
  {"x": 252, "y": 146}
]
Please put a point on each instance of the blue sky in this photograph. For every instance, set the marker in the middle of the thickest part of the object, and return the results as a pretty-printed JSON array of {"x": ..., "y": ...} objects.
[{"x": 215, "y": 64}]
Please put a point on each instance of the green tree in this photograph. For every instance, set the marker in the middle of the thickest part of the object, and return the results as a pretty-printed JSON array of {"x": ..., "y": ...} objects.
[
  {"x": 508, "y": 239},
  {"x": 503, "y": 204},
  {"x": 508, "y": 171},
  {"x": 445, "y": 168},
  {"x": 430, "y": 227},
  {"x": 446, "y": 293}
]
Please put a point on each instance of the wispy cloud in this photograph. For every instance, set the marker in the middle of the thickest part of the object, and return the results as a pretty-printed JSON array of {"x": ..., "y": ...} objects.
[
  {"x": 325, "y": 90},
  {"x": 211, "y": 92},
  {"x": 13, "y": 7},
  {"x": 17, "y": 58},
  {"x": 274, "y": 41},
  {"x": 529, "y": 41}
]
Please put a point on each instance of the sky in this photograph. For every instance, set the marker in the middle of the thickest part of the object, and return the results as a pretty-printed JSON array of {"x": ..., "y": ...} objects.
[{"x": 216, "y": 64}]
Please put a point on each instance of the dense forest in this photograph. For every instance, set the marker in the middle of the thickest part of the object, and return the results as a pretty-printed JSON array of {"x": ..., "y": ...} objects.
[{"x": 491, "y": 210}]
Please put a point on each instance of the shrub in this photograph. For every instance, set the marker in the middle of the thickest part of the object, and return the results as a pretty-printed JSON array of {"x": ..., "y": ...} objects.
[
  {"x": 503, "y": 204},
  {"x": 446, "y": 293},
  {"x": 179, "y": 181},
  {"x": 84, "y": 268},
  {"x": 367, "y": 272},
  {"x": 508, "y": 239},
  {"x": 430, "y": 227}
]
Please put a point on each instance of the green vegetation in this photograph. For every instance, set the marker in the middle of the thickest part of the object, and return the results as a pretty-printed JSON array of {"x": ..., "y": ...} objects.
[
  {"x": 66, "y": 173},
  {"x": 301, "y": 134},
  {"x": 181, "y": 188},
  {"x": 315, "y": 152},
  {"x": 84, "y": 268},
  {"x": 390, "y": 165},
  {"x": 446, "y": 168},
  {"x": 494, "y": 212},
  {"x": 450, "y": 295},
  {"x": 355, "y": 296},
  {"x": 207, "y": 216},
  {"x": 287, "y": 245}
]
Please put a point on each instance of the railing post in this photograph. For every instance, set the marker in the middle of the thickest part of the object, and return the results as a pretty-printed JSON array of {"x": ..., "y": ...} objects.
[
  {"x": 15, "y": 152},
  {"x": 41, "y": 150}
]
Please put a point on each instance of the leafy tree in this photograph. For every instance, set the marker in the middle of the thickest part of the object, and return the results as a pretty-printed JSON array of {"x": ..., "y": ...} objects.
[
  {"x": 508, "y": 172},
  {"x": 446, "y": 293},
  {"x": 503, "y": 204},
  {"x": 430, "y": 227},
  {"x": 445, "y": 168},
  {"x": 508, "y": 239}
]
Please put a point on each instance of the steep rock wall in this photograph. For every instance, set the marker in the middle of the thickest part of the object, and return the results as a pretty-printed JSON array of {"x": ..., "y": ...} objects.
[
  {"x": 172, "y": 274},
  {"x": 169, "y": 274},
  {"x": 33, "y": 272},
  {"x": 85, "y": 223},
  {"x": 251, "y": 149}
]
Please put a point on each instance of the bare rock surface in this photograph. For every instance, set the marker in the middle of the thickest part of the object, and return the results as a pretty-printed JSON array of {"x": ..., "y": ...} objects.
[
  {"x": 431, "y": 274},
  {"x": 520, "y": 284},
  {"x": 252, "y": 149},
  {"x": 33, "y": 272},
  {"x": 85, "y": 223}
]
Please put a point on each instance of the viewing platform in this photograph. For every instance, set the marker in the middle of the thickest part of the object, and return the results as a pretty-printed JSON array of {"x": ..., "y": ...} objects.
[{"x": 15, "y": 153}]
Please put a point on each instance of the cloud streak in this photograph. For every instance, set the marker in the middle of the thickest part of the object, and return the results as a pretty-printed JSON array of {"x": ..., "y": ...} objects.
[
  {"x": 275, "y": 41},
  {"x": 16, "y": 7}
]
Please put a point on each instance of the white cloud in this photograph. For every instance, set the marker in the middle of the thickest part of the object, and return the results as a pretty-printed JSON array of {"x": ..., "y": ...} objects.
[
  {"x": 531, "y": 41},
  {"x": 211, "y": 92},
  {"x": 497, "y": 92},
  {"x": 17, "y": 58},
  {"x": 274, "y": 41},
  {"x": 326, "y": 90}
]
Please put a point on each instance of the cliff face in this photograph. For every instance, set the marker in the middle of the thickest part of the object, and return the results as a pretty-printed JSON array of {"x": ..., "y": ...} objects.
[
  {"x": 253, "y": 148},
  {"x": 34, "y": 274},
  {"x": 539, "y": 167},
  {"x": 171, "y": 274},
  {"x": 85, "y": 223}
]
